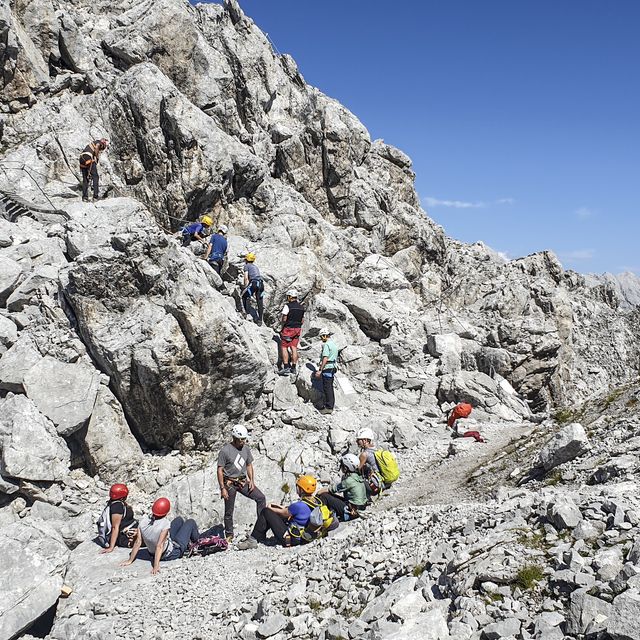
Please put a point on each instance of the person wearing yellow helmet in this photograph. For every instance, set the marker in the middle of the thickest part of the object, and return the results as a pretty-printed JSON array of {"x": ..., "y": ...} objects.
[
  {"x": 287, "y": 523},
  {"x": 253, "y": 285},
  {"x": 195, "y": 231}
]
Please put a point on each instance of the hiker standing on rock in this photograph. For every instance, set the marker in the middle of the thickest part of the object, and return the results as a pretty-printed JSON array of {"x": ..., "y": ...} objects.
[
  {"x": 292, "y": 317},
  {"x": 253, "y": 285},
  {"x": 217, "y": 249},
  {"x": 327, "y": 371},
  {"x": 235, "y": 475},
  {"x": 164, "y": 539},
  {"x": 89, "y": 159}
]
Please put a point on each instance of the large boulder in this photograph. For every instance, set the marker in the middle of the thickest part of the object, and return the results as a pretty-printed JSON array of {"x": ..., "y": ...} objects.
[
  {"x": 569, "y": 443},
  {"x": 33, "y": 559},
  {"x": 31, "y": 447},
  {"x": 16, "y": 362},
  {"x": 109, "y": 445},
  {"x": 64, "y": 392},
  {"x": 179, "y": 356},
  {"x": 10, "y": 273},
  {"x": 624, "y": 623}
]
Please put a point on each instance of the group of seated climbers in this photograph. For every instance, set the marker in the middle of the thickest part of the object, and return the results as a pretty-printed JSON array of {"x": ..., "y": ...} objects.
[{"x": 311, "y": 516}]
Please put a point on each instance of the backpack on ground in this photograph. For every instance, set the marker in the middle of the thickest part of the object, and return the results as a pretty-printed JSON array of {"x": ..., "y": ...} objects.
[
  {"x": 321, "y": 520},
  {"x": 387, "y": 465},
  {"x": 208, "y": 545},
  {"x": 461, "y": 410}
]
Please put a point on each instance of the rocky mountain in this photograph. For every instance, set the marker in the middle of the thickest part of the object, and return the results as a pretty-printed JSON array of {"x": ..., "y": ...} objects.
[{"x": 124, "y": 357}]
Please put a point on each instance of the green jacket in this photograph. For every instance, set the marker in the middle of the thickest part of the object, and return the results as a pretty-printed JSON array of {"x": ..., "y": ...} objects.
[{"x": 353, "y": 488}]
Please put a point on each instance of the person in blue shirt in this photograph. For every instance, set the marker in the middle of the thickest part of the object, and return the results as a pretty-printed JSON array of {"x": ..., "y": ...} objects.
[
  {"x": 217, "y": 249},
  {"x": 195, "y": 231},
  {"x": 287, "y": 523}
]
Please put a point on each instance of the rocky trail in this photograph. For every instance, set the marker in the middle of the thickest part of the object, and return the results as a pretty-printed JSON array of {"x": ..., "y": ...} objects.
[{"x": 124, "y": 357}]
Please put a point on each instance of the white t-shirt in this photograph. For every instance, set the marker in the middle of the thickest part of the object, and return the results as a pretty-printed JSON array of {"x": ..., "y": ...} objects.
[
  {"x": 285, "y": 310},
  {"x": 152, "y": 530}
]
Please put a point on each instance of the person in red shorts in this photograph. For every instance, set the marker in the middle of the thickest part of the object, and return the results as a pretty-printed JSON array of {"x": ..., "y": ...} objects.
[{"x": 292, "y": 317}]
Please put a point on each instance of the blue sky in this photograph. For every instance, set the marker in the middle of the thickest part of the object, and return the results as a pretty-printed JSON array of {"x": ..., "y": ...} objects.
[{"x": 522, "y": 117}]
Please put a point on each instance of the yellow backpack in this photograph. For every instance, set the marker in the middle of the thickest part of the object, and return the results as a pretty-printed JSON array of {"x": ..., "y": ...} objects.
[{"x": 388, "y": 465}]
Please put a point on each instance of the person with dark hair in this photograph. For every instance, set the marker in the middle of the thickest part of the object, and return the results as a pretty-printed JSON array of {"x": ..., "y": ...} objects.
[
  {"x": 292, "y": 318},
  {"x": 89, "y": 159}
]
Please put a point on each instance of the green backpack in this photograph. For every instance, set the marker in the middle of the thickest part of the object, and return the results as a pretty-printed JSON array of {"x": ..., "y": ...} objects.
[{"x": 388, "y": 465}]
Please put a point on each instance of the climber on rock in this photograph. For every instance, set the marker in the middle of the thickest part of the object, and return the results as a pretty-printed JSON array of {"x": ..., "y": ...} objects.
[
  {"x": 235, "y": 475},
  {"x": 295, "y": 524},
  {"x": 217, "y": 249},
  {"x": 253, "y": 285},
  {"x": 89, "y": 159},
  {"x": 195, "y": 231},
  {"x": 327, "y": 370},
  {"x": 348, "y": 498},
  {"x": 164, "y": 539},
  {"x": 292, "y": 317},
  {"x": 117, "y": 527}
]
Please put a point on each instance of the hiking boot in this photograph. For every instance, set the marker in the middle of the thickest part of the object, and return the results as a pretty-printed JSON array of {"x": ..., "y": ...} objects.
[
  {"x": 284, "y": 371},
  {"x": 248, "y": 543},
  {"x": 326, "y": 411},
  {"x": 85, "y": 199},
  {"x": 293, "y": 369}
]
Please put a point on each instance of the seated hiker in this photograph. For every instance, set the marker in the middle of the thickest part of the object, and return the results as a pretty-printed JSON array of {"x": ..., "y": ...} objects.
[
  {"x": 253, "y": 285},
  {"x": 195, "y": 231},
  {"x": 89, "y": 159},
  {"x": 461, "y": 425},
  {"x": 164, "y": 539},
  {"x": 117, "y": 526},
  {"x": 349, "y": 496},
  {"x": 292, "y": 317},
  {"x": 217, "y": 249},
  {"x": 302, "y": 521}
]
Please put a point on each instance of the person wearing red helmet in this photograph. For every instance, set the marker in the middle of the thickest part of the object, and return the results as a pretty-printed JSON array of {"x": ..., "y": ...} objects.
[
  {"x": 117, "y": 526},
  {"x": 164, "y": 539}
]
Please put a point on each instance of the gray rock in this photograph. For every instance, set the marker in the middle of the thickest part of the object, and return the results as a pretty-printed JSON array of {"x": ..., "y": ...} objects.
[
  {"x": 587, "y": 614},
  {"x": 33, "y": 560},
  {"x": 503, "y": 629},
  {"x": 564, "y": 513},
  {"x": 431, "y": 625},
  {"x": 15, "y": 363},
  {"x": 272, "y": 625},
  {"x": 109, "y": 445},
  {"x": 10, "y": 273},
  {"x": 65, "y": 393},
  {"x": 8, "y": 332},
  {"x": 569, "y": 443},
  {"x": 31, "y": 447},
  {"x": 624, "y": 622}
]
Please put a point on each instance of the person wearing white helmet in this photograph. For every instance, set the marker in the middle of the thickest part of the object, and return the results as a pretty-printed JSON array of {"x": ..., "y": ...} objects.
[
  {"x": 217, "y": 249},
  {"x": 348, "y": 497},
  {"x": 327, "y": 370},
  {"x": 292, "y": 319},
  {"x": 235, "y": 475}
]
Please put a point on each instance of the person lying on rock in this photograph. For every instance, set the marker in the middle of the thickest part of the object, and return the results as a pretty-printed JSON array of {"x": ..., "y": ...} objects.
[
  {"x": 217, "y": 249},
  {"x": 292, "y": 318},
  {"x": 348, "y": 498},
  {"x": 296, "y": 524},
  {"x": 235, "y": 475},
  {"x": 327, "y": 371},
  {"x": 253, "y": 285},
  {"x": 196, "y": 231},
  {"x": 117, "y": 527},
  {"x": 164, "y": 539}
]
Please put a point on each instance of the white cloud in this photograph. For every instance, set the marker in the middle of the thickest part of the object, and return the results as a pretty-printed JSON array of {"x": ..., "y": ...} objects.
[
  {"x": 463, "y": 204},
  {"x": 584, "y": 212},
  {"x": 578, "y": 254}
]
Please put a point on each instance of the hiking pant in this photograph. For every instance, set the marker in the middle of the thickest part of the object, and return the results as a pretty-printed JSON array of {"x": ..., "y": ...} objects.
[
  {"x": 343, "y": 508},
  {"x": 254, "y": 287},
  {"x": 182, "y": 532},
  {"x": 230, "y": 503},
  {"x": 216, "y": 265},
  {"x": 327, "y": 389},
  {"x": 90, "y": 172},
  {"x": 269, "y": 519}
]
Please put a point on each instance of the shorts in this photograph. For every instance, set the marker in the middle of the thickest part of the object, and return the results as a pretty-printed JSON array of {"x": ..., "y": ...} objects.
[{"x": 290, "y": 336}]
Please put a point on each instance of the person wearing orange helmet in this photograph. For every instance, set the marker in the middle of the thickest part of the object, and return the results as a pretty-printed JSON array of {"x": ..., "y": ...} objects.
[
  {"x": 164, "y": 539},
  {"x": 288, "y": 524},
  {"x": 117, "y": 527},
  {"x": 89, "y": 159}
]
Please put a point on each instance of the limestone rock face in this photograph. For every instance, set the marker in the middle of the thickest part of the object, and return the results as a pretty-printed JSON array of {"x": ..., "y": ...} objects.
[{"x": 33, "y": 564}]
